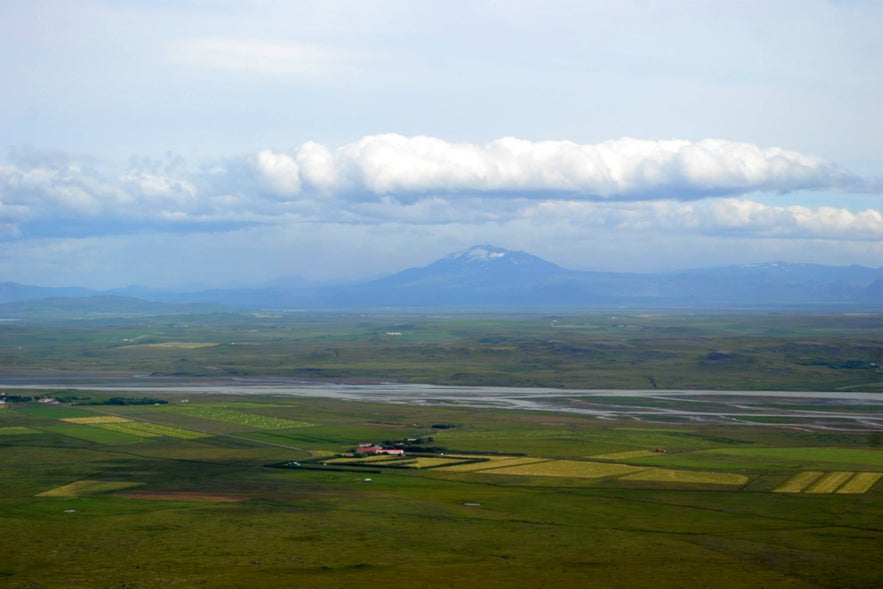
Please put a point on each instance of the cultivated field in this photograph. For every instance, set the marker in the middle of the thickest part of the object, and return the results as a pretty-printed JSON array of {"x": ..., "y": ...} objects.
[
  {"x": 688, "y": 476},
  {"x": 799, "y": 482},
  {"x": 568, "y": 468},
  {"x": 491, "y": 463},
  {"x": 831, "y": 482},
  {"x": 130, "y": 488},
  {"x": 249, "y": 420},
  {"x": 136, "y": 428},
  {"x": 16, "y": 431},
  {"x": 513, "y": 501},
  {"x": 861, "y": 482},
  {"x": 85, "y": 488}
]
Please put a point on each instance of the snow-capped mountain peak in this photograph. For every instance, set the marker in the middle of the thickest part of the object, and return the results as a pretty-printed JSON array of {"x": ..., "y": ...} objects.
[{"x": 480, "y": 254}]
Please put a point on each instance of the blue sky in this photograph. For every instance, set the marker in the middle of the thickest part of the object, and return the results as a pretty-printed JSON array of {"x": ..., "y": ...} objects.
[{"x": 216, "y": 143}]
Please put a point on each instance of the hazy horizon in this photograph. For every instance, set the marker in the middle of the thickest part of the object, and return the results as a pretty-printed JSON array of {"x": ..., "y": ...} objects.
[
  {"x": 237, "y": 142},
  {"x": 296, "y": 282}
]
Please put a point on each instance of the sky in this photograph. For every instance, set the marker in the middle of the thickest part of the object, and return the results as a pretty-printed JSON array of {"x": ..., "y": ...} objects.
[{"x": 219, "y": 143}]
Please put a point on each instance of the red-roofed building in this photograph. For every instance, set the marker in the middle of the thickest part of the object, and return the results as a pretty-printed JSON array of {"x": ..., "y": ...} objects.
[{"x": 373, "y": 449}]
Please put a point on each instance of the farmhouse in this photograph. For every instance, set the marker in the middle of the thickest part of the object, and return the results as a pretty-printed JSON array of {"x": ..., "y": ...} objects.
[{"x": 367, "y": 448}]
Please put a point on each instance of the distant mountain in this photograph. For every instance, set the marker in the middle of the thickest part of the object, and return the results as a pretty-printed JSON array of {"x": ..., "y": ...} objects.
[
  {"x": 97, "y": 307},
  {"x": 11, "y": 292},
  {"x": 479, "y": 266},
  {"x": 489, "y": 277},
  {"x": 270, "y": 296},
  {"x": 482, "y": 276},
  {"x": 486, "y": 276},
  {"x": 874, "y": 291},
  {"x": 772, "y": 284}
]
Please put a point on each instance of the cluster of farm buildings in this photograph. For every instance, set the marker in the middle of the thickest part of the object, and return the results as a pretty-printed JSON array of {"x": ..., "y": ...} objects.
[{"x": 371, "y": 448}]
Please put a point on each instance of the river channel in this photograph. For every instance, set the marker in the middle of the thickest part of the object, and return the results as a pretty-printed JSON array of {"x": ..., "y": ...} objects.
[{"x": 835, "y": 410}]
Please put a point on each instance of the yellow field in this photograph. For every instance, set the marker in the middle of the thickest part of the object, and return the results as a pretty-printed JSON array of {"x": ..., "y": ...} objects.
[
  {"x": 830, "y": 482},
  {"x": 97, "y": 419},
  {"x": 624, "y": 455},
  {"x": 861, "y": 482},
  {"x": 569, "y": 468},
  {"x": 798, "y": 482},
  {"x": 492, "y": 463},
  {"x": 11, "y": 431},
  {"x": 136, "y": 428},
  {"x": 86, "y": 487},
  {"x": 430, "y": 461},
  {"x": 688, "y": 476}
]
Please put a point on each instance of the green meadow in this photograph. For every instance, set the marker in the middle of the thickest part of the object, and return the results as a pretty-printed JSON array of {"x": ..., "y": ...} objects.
[
  {"x": 536, "y": 499},
  {"x": 115, "y": 490},
  {"x": 760, "y": 351}
]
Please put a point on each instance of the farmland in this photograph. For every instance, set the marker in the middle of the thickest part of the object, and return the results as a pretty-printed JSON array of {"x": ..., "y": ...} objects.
[
  {"x": 85, "y": 488},
  {"x": 560, "y": 499},
  {"x": 249, "y": 420},
  {"x": 218, "y": 451}
]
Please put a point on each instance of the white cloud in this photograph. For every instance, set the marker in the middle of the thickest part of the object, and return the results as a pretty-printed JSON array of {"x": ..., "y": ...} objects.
[
  {"x": 727, "y": 216},
  {"x": 622, "y": 169},
  {"x": 279, "y": 171},
  {"x": 678, "y": 186},
  {"x": 318, "y": 166},
  {"x": 52, "y": 190},
  {"x": 155, "y": 187}
]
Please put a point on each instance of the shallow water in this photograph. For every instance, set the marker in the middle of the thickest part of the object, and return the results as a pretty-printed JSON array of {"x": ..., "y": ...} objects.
[{"x": 866, "y": 411}]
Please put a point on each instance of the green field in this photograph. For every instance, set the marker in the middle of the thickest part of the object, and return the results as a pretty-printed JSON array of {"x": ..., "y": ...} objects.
[
  {"x": 636, "y": 351},
  {"x": 751, "y": 458},
  {"x": 85, "y": 488},
  {"x": 249, "y": 421},
  {"x": 115, "y": 490},
  {"x": 514, "y": 501}
]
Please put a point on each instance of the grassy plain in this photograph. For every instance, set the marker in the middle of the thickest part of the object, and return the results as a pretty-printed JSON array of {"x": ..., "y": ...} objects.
[
  {"x": 635, "y": 351},
  {"x": 127, "y": 511},
  {"x": 191, "y": 494}
]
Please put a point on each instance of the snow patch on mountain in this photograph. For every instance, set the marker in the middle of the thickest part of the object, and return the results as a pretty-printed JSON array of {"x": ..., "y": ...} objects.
[
  {"x": 482, "y": 253},
  {"x": 490, "y": 254}
]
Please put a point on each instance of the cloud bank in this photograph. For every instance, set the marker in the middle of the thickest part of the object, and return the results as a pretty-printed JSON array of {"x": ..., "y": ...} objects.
[
  {"x": 622, "y": 169},
  {"x": 627, "y": 184}
]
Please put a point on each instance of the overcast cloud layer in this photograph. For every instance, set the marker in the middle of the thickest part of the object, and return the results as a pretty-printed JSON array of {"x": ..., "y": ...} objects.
[{"x": 236, "y": 142}]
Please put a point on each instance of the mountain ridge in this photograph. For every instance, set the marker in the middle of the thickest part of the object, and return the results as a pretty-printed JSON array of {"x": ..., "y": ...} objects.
[{"x": 487, "y": 276}]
